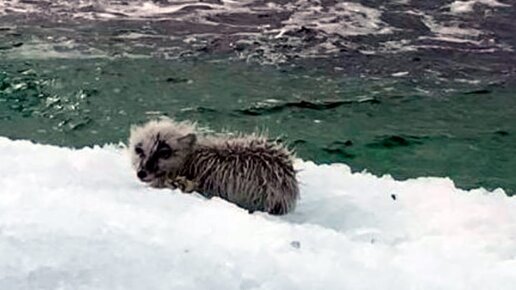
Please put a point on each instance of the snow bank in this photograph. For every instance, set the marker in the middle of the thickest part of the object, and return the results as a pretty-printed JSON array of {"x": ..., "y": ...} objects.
[{"x": 79, "y": 219}]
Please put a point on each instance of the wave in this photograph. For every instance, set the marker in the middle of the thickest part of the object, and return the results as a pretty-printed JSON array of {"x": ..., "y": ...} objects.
[
  {"x": 271, "y": 32},
  {"x": 273, "y": 106}
]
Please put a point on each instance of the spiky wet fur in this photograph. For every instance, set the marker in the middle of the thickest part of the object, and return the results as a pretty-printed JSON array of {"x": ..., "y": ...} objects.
[{"x": 248, "y": 170}]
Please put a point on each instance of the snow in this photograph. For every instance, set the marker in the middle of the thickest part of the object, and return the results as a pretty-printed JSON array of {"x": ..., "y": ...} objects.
[{"x": 79, "y": 219}]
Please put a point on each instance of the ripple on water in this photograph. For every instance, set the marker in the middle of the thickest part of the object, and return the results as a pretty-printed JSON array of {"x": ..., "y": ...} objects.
[{"x": 267, "y": 32}]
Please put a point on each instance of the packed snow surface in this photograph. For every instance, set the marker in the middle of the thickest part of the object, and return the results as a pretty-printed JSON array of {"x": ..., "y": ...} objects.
[{"x": 79, "y": 219}]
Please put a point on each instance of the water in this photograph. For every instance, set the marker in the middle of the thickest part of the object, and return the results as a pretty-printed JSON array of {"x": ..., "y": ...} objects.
[{"x": 406, "y": 88}]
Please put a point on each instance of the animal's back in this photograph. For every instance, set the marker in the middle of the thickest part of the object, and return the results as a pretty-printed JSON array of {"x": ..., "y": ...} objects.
[{"x": 251, "y": 172}]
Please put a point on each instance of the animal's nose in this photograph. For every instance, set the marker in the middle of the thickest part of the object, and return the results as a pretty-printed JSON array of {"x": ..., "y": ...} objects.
[{"x": 141, "y": 174}]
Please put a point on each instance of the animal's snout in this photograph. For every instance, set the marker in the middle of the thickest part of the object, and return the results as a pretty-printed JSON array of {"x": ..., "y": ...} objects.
[{"x": 141, "y": 174}]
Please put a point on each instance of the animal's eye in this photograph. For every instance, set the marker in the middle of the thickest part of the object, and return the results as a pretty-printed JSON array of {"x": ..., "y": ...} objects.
[
  {"x": 165, "y": 153},
  {"x": 138, "y": 151}
]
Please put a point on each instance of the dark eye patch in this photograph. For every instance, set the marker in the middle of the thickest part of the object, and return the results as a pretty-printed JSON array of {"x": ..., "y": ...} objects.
[
  {"x": 164, "y": 151},
  {"x": 138, "y": 151}
]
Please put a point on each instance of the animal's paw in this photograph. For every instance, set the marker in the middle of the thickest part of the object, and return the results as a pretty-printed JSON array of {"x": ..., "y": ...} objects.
[
  {"x": 184, "y": 184},
  {"x": 170, "y": 183}
]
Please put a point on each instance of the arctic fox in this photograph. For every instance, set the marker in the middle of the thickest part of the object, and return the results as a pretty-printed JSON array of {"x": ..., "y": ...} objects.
[{"x": 248, "y": 170}]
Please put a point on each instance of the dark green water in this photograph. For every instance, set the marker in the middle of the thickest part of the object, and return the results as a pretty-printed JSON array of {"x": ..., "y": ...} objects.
[
  {"x": 440, "y": 108},
  {"x": 383, "y": 126}
]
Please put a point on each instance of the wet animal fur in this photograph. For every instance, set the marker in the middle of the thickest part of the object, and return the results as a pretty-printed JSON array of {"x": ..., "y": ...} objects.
[{"x": 247, "y": 170}]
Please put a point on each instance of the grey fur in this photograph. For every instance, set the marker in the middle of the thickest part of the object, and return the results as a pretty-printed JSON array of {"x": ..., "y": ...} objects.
[{"x": 249, "y": 171}]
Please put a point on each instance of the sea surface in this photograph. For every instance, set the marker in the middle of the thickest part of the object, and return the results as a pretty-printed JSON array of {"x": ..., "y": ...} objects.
[{"x": 408, "y": 88}]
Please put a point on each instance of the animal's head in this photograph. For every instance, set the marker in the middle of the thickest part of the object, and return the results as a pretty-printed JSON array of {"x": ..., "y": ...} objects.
[{"x": 160, "y": 147}]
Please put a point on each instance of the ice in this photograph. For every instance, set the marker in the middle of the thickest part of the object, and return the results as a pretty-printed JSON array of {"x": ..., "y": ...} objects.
[{"x": 79, "y": 219}]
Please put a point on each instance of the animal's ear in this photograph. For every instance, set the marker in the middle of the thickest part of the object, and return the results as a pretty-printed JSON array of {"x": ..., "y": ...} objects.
[{"x": 187, "y": 140}]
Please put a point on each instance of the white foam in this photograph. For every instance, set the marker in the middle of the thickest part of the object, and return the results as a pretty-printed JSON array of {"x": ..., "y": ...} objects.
[
  {"x": 400, "y": 74},
  {"x": 451, "y": 32},
  {"x": 63, "y": 49},
  {"x": 326, "y": 19},
  {"x": 147, "y": 9},
  {"x": 343, "y": 18},
  {"x": 198, "y": 12},
  {"x": 467, "y": 6},
  {"x": 79, "y": 219}
]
